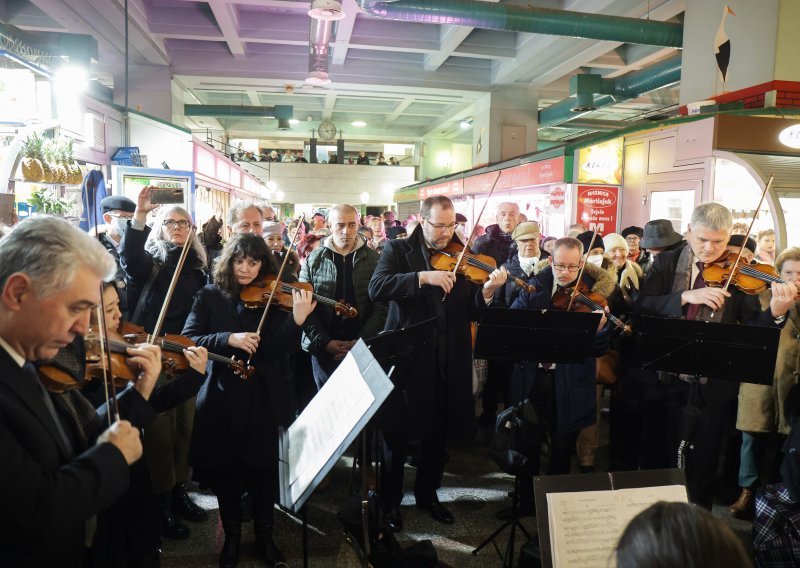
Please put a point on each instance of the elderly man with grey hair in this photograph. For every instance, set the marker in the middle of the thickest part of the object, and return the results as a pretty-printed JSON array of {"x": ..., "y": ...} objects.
[
  {"x": 246, "y": 218},
  {"x": 675, "y": 288},
  {"x": 59, "y": 467}
]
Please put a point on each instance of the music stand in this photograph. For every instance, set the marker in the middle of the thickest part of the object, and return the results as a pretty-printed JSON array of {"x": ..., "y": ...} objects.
[
  {"x": 552, "y": 336},
  {"x": 732, "y": 352}
]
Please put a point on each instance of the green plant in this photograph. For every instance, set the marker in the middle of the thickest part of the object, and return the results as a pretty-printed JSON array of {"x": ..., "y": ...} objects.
[{"x": 44, "y": 202}]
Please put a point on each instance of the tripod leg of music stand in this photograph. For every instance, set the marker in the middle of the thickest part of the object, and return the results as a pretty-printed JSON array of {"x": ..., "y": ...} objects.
[
  {"x": 364, "y": 498},
  {"x": 305, "y": 535},
  {"x": 490, "y": 538}
]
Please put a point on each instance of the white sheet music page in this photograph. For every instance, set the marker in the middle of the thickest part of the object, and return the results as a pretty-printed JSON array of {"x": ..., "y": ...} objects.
[
  {"x": 586, "y": 525},
  {"x": 325, "y": 422}
]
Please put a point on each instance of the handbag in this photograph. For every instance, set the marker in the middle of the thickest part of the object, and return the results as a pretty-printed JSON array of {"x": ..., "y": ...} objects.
[{"x": 608, "y": 367}]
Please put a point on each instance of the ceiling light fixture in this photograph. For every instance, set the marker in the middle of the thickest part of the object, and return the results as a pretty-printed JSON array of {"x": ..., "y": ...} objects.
[
  {"x": 293, "y": 121},
  {"x": 465, "y": 124},
  {"x": 358, "y": 123},
  {"x": 326, "y": 10},
  {"x": 318, "y": 78}
]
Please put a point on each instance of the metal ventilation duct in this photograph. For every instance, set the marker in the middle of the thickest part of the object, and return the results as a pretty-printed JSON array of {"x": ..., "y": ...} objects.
[
  {"x": 283, "y": 113},
  {"x": 613, "y": 91},
  {"x": 545, "y": 21},
  {"x": 320, "y": 37}
]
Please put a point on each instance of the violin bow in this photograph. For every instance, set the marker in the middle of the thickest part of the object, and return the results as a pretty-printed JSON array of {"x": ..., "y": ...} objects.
[
  {"x": 580, "y": 274},
  {"x": 749, "y": 229},
  {"x": 162, "y": 315},
  {"x": 472, "y": 233},
  {"x": 277, "y": 279},
  {"x": 112, "y": 407}
]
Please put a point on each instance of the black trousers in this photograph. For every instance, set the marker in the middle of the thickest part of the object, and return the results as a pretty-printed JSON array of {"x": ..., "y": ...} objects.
[
  {"x": 543, "y": 397},
  {"x": 323, "y": 366},
  {"x": 430, "y": 466},
  {"x": 702, "y": 456},
  {"x": 229, "y": 483},
  {"x": 498, "y": 375}
]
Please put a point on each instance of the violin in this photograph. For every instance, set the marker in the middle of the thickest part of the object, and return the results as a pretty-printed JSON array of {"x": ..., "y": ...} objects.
[
  {"x": 475, "y": 267},
  {"x": 172, "y": 345},
  {"x": 586, "y": 301},
  {"x": 749, "y": 278},
  {"x": 82, "y": 361},
  {"x": 256, "y": 295}
]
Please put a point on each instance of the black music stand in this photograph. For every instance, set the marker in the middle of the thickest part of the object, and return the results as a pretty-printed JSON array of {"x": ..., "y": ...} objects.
[
  {"x": 732, "y": 352},
  {"x": 552, "y": 336}
]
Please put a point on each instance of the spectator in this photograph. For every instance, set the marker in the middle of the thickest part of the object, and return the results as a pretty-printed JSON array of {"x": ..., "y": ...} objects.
[
  {"x": 362, "y": 158},
  {"x": 497, "y": 241},
  {"x": 245, "y": 218},
  {"x": 274, "y": 157},
  {"x": 547, "y": 246},
  {"x": 381, "y": 162},
  {"x": 300, "y": 159},
  {"x": 307, "y": 245},
  {"x": 378, "y": 233},
  {"x": 575, "y": 230},
  {"x": 660, "y": 236},
  {"x": 633, "y": 236},
  {"x": 319, "y": 221},
  {"x": 766, "y": 246},
  {"x": 396, "y": 233},
  {"x": 287, "y": 157},
  {"x": 273, "y": 235},
  {"x": 393, "y": 162},
  {"x": 388, "y": 215}
]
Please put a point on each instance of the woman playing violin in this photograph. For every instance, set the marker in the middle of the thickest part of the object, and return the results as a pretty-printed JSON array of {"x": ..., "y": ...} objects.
[
  {"x": 128, "y": 534},
  {"x": 235, "y": 440}
]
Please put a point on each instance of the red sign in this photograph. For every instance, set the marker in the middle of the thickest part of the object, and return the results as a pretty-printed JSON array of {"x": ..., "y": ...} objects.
[
  {"x": 597, "y": 208},
  {"x": 557, "y": 196},
  {"x": 525, "y": 175},
  {"x": 455, "y": 187}
]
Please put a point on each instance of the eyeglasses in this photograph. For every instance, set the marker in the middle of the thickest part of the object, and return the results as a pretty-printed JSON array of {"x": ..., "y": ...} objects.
[
  {"x": 442, "y": 227},
  {"x": 170, "y": 224},
  {"x": 566, "y": 267}
]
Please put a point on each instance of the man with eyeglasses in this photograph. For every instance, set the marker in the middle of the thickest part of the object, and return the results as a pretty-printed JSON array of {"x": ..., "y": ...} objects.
[
  {"x": 439, "y": 395},
  {"x": 563, "y": 394},
  {"x": 117, "y": 211}
]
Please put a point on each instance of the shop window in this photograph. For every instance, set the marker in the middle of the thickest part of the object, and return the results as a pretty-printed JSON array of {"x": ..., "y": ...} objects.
[{"x": 676, "y": 206}]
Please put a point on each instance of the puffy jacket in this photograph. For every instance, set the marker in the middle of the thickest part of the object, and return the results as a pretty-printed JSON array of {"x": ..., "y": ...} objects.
[{"x": 320, "y": 270}]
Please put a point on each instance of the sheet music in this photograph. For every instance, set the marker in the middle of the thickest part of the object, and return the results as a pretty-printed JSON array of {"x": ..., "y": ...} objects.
[
  {"x": 586, "y": 525},
  {"x": 328, "y": 418}
]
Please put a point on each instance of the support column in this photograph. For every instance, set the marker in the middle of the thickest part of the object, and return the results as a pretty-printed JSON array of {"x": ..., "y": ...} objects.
[
  {"x": 150, "y": 90},
  {"x": 505, "y": 125}
]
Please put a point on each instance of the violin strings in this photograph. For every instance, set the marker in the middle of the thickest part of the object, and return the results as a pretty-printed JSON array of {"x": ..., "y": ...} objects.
[{"x": 595, "y": 306}]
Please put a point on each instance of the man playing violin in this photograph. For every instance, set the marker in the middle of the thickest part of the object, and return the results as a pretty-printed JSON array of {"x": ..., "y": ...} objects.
[
  {"x": 675, "y": 288},
  {"x": 564, "y": 394},
  {"x": 340, "y": 269},
  {"x": 404, "y": 277},
  {"x": 58, "y": 472}
]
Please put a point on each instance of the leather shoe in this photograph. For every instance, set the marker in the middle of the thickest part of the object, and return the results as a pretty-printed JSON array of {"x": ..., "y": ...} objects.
[
  {"x": 172, "y": 527},
  {"x": 183, "y": 505},
  {"x": 437, "y": 511},
  {"x": 393, "y": 519},
  {"x": 744, "y": 507},
  {"x": 269, "y": 551},
  {"x": 229, "y": 556}
]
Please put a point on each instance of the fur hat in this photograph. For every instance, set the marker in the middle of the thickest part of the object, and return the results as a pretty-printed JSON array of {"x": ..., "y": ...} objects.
[
  {"x": 586, "y": 238},
  {"x": 633, "y": 230}
]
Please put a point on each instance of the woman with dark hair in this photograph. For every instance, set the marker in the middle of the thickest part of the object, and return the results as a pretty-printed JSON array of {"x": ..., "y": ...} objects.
[
  {"x": 235, "y": 440},
  {"x": 307, "y": 245},
  {"x": 679, "y": 535}
]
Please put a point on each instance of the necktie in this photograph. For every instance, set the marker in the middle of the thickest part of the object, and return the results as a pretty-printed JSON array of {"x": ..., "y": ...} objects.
[
  {"x": 691, "y": 312},
  {"x": 48, "y": 403}
]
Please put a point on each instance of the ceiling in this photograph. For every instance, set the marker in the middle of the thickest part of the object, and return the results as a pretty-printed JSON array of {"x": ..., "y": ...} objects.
[{"x": 405, "y": 80}]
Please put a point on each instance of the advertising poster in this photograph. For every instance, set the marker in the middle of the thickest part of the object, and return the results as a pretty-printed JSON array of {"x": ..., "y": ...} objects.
[{"x": 597, "y": 208}]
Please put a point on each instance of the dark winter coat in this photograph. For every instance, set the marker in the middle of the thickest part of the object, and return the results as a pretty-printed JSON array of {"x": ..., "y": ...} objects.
[
  {"x": 138, "y": 264},
  {"x": 504, "y": 297},
  {"x": 320, "y": 270},
  {"x": 119, "y": 275},
  {"x": 575, "y": 394},
  {"x": 235, "y": 419},
  {"x": 396, "y": 281},
  {"x": 490, "y": 243}
]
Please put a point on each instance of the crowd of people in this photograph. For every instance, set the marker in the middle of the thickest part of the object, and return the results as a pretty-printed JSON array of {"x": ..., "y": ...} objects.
[{"x": 67, "y": 465}]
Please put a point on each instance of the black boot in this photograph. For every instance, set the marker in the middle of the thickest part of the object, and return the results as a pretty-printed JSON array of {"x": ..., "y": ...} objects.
[
  {"x": 171, "y": 526},
  {"x": 265, "y": 545},
  {"x": 183, "y": 505},
  {"x": 229, "y": 555}
]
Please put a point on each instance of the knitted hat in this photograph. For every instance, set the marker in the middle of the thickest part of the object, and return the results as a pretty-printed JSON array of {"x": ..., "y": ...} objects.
[
  {"x": 272, "y": 229},
  {"x": 586, "y": 238},
  {"x": 614, "y": 240}
]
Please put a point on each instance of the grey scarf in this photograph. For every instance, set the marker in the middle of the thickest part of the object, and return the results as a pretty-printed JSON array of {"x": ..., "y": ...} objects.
[{"x": 683, "y": 282}]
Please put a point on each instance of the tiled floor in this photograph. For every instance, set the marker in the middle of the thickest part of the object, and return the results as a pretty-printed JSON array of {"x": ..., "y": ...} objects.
[{"x": 474, "y": 490}]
